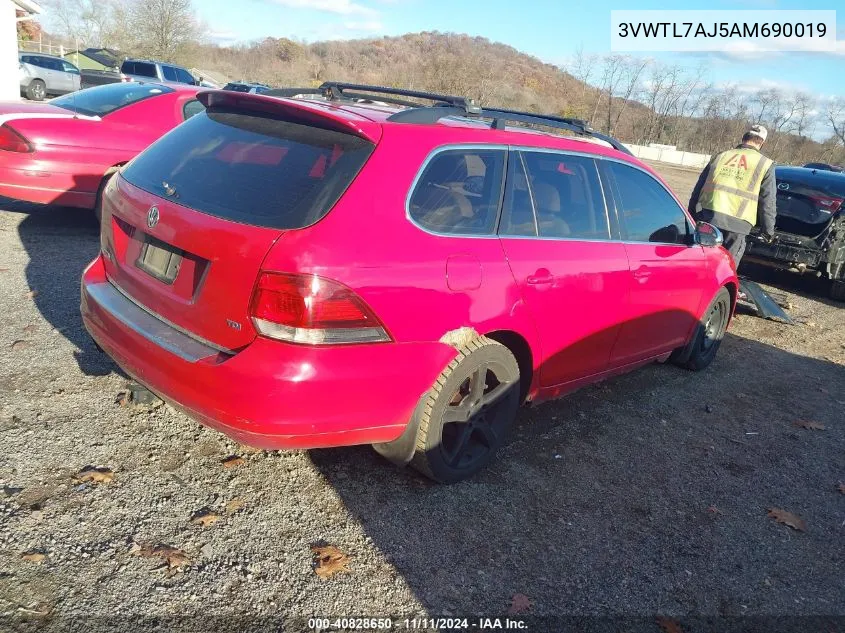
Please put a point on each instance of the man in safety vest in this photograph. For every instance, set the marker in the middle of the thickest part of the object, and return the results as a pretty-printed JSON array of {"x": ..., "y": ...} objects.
[{"x": 737, "y": 191}]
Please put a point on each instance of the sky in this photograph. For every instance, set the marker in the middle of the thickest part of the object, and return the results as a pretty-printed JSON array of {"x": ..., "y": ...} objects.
[{"x": 549, "y": 29}]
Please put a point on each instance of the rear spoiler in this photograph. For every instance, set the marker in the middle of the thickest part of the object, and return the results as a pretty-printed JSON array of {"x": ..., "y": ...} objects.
[{"x": 320, "y": 114}]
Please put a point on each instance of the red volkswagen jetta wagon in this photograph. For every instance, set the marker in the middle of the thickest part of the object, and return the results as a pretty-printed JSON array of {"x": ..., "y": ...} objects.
[{"x": 343, "y": 268}]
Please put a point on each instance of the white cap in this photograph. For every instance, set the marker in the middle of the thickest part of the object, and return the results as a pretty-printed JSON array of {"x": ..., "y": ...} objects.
[{"x": 759, "y": 131}]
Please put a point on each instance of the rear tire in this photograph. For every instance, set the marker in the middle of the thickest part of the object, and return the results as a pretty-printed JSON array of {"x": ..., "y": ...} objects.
[
  {"x": 98, "y": 204},
  {"x": 36, "y": 90},
  {"x": 837, "y": 290},
  {"x": 466, "y": 415},
  {"x": 709, "y": 332}
]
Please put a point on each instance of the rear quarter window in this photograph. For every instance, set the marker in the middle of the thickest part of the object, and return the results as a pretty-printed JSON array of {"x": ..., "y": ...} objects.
[
  {"x": 250, "y": 168},
  {"x": 458, "y": 192}
]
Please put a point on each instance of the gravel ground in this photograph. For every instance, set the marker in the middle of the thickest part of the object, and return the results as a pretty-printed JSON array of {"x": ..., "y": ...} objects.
[{"x": 645, "y": 495}]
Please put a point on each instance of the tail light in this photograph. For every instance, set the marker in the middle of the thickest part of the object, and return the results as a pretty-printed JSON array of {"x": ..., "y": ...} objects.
[
  {"x": 827, "y": 204},
  {"x": 312, "y": 310},
  {"x": 12, "y": 141}
]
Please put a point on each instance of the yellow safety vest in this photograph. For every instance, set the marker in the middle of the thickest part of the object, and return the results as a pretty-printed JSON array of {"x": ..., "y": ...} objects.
[{"x": 733, "y": 184}]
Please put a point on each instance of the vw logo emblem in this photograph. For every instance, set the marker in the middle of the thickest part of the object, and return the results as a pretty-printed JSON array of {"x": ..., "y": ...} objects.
[
  {"x": 783, "y": 186},
  {"x": 152, "y": 217}
]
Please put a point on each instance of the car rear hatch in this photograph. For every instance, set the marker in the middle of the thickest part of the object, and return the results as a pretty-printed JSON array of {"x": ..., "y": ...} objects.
[
  {"x": 808, "y": 202},
  {"x": 189, "y": 222}
]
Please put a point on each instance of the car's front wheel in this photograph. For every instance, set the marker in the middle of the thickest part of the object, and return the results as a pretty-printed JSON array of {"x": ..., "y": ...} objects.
[
  {"x": 708, "y": 335},
  {"x": 467, "y": 414},
  {"x": 37, "y": 90}
]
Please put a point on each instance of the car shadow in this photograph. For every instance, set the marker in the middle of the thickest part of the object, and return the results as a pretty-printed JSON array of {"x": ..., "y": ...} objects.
[
  {"x": 646, "y": 494},
  {"x": 60, "y": 242},
  {"x": 807, "y": 285}
]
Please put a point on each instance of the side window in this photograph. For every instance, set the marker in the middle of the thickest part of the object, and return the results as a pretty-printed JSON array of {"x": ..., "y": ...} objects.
[
  {"x": 184, "y": 76},
  {"x": 518, "y": 209},
  {"x": 169, "y": 73},
  {"x": 70, "y": 68},
  {"x": 649, "y": 212},
  {"x": 459, "y": 191},
  {"x": 567, "y": 196},
  {"x": 191, "y": 108}
]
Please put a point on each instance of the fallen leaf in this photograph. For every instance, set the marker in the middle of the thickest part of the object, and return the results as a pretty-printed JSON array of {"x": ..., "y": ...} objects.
[
  {"x": 4, "y": 270},
  {"x": 520, "y": 603},
  {"x": 205, "y": 517},
  {"x": 809, "y": 425},
  {"x": 235, "y": 505},
  {"x": 33, "y": 557},
  {"x": 98, "y": 475},
  {"x": 124, "y": 399},
  {"x": 714, "y": 510},
  {"x": 329, "y": 561},
  {"x": 842, "y": 488},
  {"x": 33, "y": 293},
  {"x": 787, "y": 518},
  {"x": 30, "y": 328},
  {"x": 173, "y": 556},
  {"x": 233, "y": 461},
  {"x": 19, "y": 344},
  {"x": 668, "y": 625}
]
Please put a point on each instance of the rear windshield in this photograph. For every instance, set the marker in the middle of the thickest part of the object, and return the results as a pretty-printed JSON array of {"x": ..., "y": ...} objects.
[
  {"x": 250, "y": 168},
  {"x": 101, "y": 100}
]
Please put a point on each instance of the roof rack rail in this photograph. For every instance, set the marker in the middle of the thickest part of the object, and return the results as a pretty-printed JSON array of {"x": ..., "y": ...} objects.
[
  {"x": 500, "y": 116},
  {"x": 337, "y": 90},
  {"x": 293, "y": 92},
  {"x": 446, "y": 106}
]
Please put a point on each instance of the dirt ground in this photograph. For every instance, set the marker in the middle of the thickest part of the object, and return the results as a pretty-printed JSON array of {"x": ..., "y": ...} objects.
[{"x": 641, "y": 497}]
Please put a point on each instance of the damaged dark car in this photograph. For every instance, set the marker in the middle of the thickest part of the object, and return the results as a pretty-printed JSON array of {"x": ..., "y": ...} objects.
[{"x": 810, "y": 228}]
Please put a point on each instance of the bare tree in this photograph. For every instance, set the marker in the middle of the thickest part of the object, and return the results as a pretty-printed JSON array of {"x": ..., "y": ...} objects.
[
  {"x": 631, "y": 71},
  {"x": 583, "y": 68},
  {"x": 85, "y": 21},
  {"x": 164, "y": 29},
  {"x": 836, "y": 117}
]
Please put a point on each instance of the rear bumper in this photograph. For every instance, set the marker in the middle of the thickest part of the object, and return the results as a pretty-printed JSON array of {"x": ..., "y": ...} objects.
[
  {"x": 787, "y": 254},
  {"x": 269, "y": 394}
]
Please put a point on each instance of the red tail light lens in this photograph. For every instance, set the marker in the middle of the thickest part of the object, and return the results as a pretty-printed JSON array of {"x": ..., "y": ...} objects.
[
  {"x": 828, "y": 204},
  {"x": 11, "y": 141},
  {"x": 312, "y": 310}
]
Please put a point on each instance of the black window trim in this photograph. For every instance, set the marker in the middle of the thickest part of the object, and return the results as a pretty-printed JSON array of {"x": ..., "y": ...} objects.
[
  {"x": 613, "y": 229},
  {"x": 606, "y": 181},
  {"x": 617, "y": 203},
  {"x": 459, "y": 147}
]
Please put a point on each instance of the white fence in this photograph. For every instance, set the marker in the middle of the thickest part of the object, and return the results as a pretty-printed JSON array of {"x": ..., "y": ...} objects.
[
  {"x": 42, "y": 46},
  {"x": 669, "y": 154}
]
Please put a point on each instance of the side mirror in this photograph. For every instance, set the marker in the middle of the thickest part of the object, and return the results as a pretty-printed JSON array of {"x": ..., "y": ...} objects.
[{"x": 708, "y": 235}]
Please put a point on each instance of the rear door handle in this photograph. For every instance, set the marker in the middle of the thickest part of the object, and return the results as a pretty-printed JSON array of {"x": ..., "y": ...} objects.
[{"x": 540, "y": 277}]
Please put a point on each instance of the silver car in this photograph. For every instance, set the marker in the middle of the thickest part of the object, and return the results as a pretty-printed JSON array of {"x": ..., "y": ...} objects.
[{"x": 43, "y": 75}]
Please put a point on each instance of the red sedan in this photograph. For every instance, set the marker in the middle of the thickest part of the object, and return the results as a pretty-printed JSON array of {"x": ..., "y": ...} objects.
[{"x": 62, "y": 151}]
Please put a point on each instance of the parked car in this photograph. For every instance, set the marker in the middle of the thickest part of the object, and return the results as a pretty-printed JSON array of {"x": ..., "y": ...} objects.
[
  {"x": 63, "y": 151},
  {"x": 810, "y": 226},
  {"x": 252, "y": 88},
  {"x": 146, "y": 69},
  {"x": 824, "y": 167},
  {"x": 305, "y": 273},
  {"x": 43, "y": 75}
]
